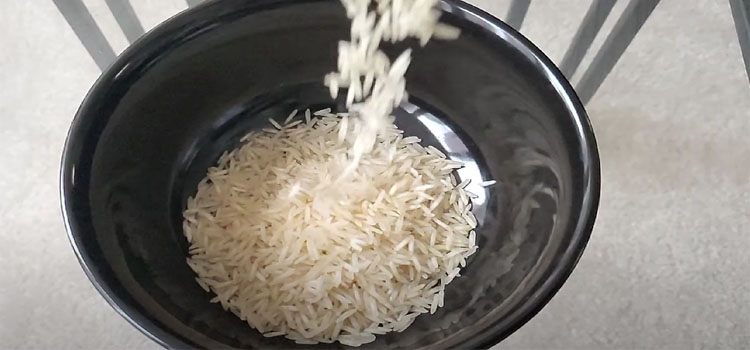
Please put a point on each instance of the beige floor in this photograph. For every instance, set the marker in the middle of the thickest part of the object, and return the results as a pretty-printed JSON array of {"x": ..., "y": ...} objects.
[{"x": 666, "y": 268}]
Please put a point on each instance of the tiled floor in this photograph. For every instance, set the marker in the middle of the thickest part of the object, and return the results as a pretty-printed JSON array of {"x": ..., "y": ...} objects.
[{"x": 667, "y": 265}]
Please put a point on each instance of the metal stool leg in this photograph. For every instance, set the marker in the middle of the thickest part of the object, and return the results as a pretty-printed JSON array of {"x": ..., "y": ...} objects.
[
  {"x": 587, "y": 31},
  {"x": 741, "y": 14},
  {"x": 85, "y": 28},
  {"x": 126, "y": 18},
  {"x": 627, "y": 26},
  {"x": 192, "y": 3},
  {"x": 517, "y": 13}
]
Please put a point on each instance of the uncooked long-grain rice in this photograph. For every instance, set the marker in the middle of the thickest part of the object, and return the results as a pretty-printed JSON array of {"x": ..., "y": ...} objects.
[
  {"x": 294, "y": 252},
  {"x": 335, "y": 227}
]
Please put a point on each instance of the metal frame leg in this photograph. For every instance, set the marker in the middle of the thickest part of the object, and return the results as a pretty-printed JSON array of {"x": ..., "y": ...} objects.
[
  {"x": 587, "y": 31},
  {"x": 80, "y": 20},
  {"x": 193, "y": 3},
  {"x": 627, "y": 26},
  {"x": 126, "y": 18},
  {"x": 517, "y": 13},
  {"x": 741, "y": 14}
]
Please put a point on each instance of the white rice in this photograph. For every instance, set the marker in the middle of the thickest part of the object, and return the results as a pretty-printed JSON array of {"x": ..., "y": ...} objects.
[
  {"x": 294, "y": 252},
  {"x": 375, "y": 85},
  {"x": 337, "y": 227}
]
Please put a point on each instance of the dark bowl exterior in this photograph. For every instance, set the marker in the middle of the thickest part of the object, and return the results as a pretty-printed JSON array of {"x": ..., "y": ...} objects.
[{"x": 176, "y": 98}]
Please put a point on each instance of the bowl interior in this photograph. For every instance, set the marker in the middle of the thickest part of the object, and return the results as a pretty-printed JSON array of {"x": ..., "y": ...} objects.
[{"x": 192, "y": 88}]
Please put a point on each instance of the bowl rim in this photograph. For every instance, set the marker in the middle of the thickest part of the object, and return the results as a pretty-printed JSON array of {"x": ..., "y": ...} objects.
[
  {"x": 559, "y": 273},
  {"x": 484, "y": 338}
]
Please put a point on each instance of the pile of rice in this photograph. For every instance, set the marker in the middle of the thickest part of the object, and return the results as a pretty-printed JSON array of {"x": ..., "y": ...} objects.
[
  {"x": 294, "y": 252},
  {"x": 335, "y": 227}
]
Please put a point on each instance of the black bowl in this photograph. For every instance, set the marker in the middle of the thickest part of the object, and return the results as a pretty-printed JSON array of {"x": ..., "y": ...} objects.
[{"x": 189, "y": 89}]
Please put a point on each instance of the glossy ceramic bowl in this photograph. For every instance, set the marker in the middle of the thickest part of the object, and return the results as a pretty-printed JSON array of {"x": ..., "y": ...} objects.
[{"x": 189, "y": 89}]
